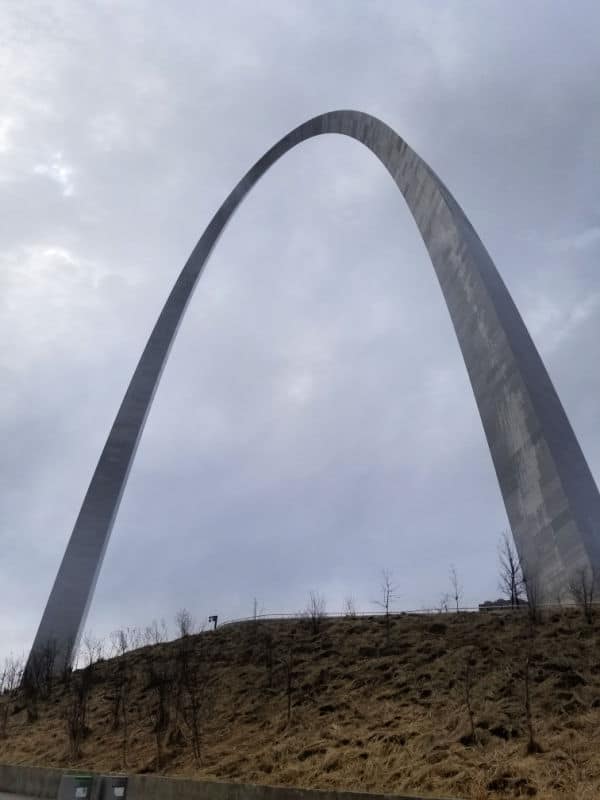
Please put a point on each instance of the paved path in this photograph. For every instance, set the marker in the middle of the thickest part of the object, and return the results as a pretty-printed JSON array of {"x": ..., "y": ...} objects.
[{"x": 4, "y": 796}]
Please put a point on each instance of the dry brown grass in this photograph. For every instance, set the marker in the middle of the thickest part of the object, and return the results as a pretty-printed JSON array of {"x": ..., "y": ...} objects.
[{"x": 366, "y": 715}]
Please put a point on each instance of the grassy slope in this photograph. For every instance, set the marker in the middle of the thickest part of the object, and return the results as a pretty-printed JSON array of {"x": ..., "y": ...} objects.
[{"x": 366, "y": 714}]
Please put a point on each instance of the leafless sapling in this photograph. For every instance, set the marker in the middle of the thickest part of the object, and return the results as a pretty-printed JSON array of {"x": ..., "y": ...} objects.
[
  {"x": 184, "y": 623},
  {"x": 349, "y": 607},
  {"x": 155, "y": 633},
  {"x": 30, "y": 689},
  {"x": 456, "y": 586},
  {"x": 75, "y": 713},
  {"x": 4, "y": 701},
  {"x": 444, "y": 603},
  {"x": 532, "y": 744},
  {"x": 41, "y": 669},
  {"x": 120, "y": 704},
  {"x": 511, "y": 575},
  {"x": 135, "y": 638},
  {"x": 119, "y": 642},
  {"x": 287, "y": 662},
  {"x": 583, "y": 585},
  {"x": 93, "y": 648},
  {"x": 161, "y": 685},
  {"x": 125, "y": 689},
  {"x": 533, "y": 590},
  {"x": 184, "y": 652},
  {"x": 12, "y": 674},
  {"x": 198, "y": 694},
  {"x": 388, "y": 596},
  {"x": 468, "y": 694},
  {"x": 315, "y": 611},
  {"x": 4, "y": 710},
  {"x": 65, "y": 662}
]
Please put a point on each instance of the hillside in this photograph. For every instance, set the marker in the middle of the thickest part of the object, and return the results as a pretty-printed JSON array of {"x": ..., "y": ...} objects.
[{"x": 369, "y": 708}]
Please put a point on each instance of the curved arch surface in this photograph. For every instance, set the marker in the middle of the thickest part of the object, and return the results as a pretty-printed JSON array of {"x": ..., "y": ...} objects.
[{"x": 551, "y": 499}]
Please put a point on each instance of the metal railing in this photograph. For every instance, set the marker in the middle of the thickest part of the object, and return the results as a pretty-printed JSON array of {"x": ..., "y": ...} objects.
[
  {"x": 523, "y": 607},
  {"x": 300, "y": 615}
]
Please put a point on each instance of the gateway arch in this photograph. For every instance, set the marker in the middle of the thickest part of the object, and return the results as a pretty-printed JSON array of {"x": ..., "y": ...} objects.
[{"x": 551, "y": 499}]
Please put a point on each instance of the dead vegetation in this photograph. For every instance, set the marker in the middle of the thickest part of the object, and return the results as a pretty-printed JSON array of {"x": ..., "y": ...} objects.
[{"x": 467, "y": 705}]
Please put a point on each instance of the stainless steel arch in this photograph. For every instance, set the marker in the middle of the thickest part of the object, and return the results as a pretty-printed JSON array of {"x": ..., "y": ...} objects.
[{"x": 551, "y": 498}]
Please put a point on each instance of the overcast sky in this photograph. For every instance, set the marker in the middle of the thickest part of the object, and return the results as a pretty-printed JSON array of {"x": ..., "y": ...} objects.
[{"x": 315, "y": 423}]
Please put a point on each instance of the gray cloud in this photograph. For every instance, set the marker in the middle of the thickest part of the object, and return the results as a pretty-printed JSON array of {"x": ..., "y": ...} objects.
[{"x": 315, "y": 421}]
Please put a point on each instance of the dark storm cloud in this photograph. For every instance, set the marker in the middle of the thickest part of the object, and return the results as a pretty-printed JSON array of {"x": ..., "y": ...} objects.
[{"x": 315, "y": 422}]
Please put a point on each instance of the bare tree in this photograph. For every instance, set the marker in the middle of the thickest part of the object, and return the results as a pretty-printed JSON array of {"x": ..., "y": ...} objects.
[
  {"x": 125, "y": 639},
  {"x": 183, "y": 658},
  {"x": 93, "y": 648},
  {"x": 30, "y": 690},
  {"x": 444, "y": 603},
  {"x": 388, "y": 596},
  {"x": 120, "y": 704},
  {"x": 12, "y": 674},
  {"x": 287, "y": 661},
  {"x": 4, "y": 700},
  {"x": 457, "y": 589},
  {"x": 468, "y": 691},
  {"x": 583, "y": 585},
  {"x": 75, "y": 713},
  {"x": 135, "y": 638},
  {"x": 184, "y": 623},
  {"x": 164, "y": 631},
  {"x": 511, "y": 575},
  {"x": 49, "y": 655},
  {"x": 198, "y": 694},
  {"x": 161, "y": 684},
  {"x": 4, "y": 710},
  {"x": 315, "y": 611},
  {"x": 116, "y": 697},
  {"x": 125, "y": 688},
  {"x": 532, "y": 743},
  {"x": 40, "y": 671},
  {"x": 65, "y": 661},
  {"x": 349, "y": 607},
  {"x": 155, "y": 634},
  {"x": 119, "y": 642},
  {"x": 531, "y": 583},
  {"x": 10, "y": 680},
  {"x": 149, "y": 635}
]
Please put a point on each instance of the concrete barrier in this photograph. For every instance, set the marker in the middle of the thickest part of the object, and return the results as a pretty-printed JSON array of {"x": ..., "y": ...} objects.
[
  {"x": 30, "y": 781},
  {"x": 53, "y": 784},
  {"x": 152, "y": 787}
]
